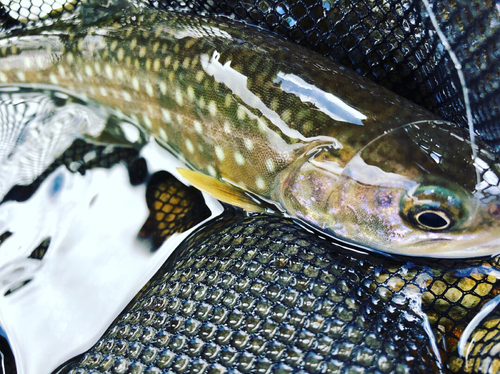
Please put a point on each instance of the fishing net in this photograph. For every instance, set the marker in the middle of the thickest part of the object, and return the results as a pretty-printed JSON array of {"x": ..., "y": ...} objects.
[{"x": 259, "y": 293}]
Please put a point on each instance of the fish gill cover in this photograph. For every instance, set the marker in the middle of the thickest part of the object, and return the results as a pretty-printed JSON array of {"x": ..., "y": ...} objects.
[{"x": 262, "y": 294}]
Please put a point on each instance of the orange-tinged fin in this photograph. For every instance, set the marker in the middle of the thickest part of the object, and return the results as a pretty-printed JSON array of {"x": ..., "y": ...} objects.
[{"x": 221, "y": 191}]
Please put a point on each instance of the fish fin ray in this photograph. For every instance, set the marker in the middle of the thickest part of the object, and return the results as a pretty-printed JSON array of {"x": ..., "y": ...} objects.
[
  {"x": 221, "y": 191},
  {"x": 173, "y": 208}
]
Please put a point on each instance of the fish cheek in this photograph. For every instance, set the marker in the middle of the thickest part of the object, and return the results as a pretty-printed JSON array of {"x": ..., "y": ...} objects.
[
  {"x": 305, "y": 194},
  {"x": 367, "y": 214}
]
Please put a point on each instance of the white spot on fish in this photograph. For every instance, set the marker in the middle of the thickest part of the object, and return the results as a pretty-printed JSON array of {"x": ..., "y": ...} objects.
[
  {"x": 40, "y": 62},
  {"x": 211, "y": 171},
  {"x": 166, "y": 115},
  {"x": 219, "y": 153},
  {"x": 69, "y": 57},
  {"x": 179, "y": 119},
  {"x": 103, "y": 91},
  {"x": 149, "y": 89},
  {"x": 135, "y": 84},
  {"x": 61, "y": 71},
  {"x": 198, "y": 127},
  {"x": 53, "y": 79},
  {"x": 109, "y": 71},
  {"x": 239, "y": 158},
  {"x": 189, "y": 146},
  {"x": 88, "y": 70},
  {"x": 126, "y": 96},
  {"x": 199, "y": 75},
  {"x": 120, "y": 54},
  {"x": 261, "y": 124},
  {"x": 241, "y": 112},
  {"x": 142, "y": 51},
  {"x": 190, "y": 93},
  {"x": 270, "y": 165},
  {"x": 259, "y": 182},
  {"x": 163, "y": 87},
  {"x": 212, "y": 108},
  {"x": 3, "y": 77},
  {"x": 156, "y": 64},
  {"x": 147, "y": 121},
  {"x": 133, "y": 43},
  {"x": 21, "y": 76},
  {"x": 228, "y": 100},
  {"x": 163, "y": 134},
  {"x": 178, "y": 97},
  {"x": 119, "y": 74},
  {"x": 248, "y": 144},
  {"x": 227, "y": 127}
]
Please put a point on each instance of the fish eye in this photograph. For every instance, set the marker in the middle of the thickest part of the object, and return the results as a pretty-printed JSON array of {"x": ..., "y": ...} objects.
[
  {"x": 432, "y": 219},
  {"x": 433, "y": 208}
]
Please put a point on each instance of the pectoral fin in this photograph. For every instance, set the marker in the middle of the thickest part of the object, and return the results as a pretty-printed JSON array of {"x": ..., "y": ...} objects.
[
  {"x": 222, "y": 191},
  {"x": 173, "y": 208}
]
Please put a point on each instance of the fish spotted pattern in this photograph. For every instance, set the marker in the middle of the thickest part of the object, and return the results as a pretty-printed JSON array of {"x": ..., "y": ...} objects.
[{"x": 273, "y": 120}]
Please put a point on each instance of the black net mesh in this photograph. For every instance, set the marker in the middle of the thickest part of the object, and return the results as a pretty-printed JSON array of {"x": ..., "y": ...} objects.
[
  {"x": 484, "y": 353},
  {"x": 259, "y": 294}
]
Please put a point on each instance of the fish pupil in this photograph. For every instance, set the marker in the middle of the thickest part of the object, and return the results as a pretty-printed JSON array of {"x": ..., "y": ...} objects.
[{"x": 433, "y": 220}]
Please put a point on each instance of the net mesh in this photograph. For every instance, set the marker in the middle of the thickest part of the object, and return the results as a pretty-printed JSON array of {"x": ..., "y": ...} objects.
[{"x": 260, "y": 294}]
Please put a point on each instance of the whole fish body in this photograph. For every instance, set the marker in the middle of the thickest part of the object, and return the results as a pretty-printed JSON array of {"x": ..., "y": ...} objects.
[{"x": 266, "y": 116}]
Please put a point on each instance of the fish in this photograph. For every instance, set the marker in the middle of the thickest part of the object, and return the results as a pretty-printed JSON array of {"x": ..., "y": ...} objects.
[{"x": 267, "y": 125}]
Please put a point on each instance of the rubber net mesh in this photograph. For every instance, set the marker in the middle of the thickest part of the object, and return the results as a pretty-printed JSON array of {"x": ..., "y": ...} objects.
[{"x": 259, "y": 294}]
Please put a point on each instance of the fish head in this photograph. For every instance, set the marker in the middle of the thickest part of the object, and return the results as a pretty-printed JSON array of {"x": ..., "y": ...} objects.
[{"x": 421, "y": 190}]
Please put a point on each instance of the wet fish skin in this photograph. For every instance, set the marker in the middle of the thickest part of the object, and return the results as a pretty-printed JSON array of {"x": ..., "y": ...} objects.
[{"x": 264, "y": 114}]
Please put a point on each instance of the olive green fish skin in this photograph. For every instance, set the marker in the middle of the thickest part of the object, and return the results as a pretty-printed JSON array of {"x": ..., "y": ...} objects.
[
  {"x": 157, "y": 71},
  {"x": 239, "y": 105}
]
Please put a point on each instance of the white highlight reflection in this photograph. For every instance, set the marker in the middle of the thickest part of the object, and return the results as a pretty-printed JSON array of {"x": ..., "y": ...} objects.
[
  {"x": 94, "y": 266},
  {"x": 237, "y": 83},
  {"x": 326, "y": 102}
]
